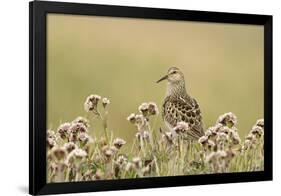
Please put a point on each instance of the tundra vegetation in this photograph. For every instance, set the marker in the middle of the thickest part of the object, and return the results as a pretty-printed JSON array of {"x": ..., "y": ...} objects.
[{"x": 73, "y": 154}]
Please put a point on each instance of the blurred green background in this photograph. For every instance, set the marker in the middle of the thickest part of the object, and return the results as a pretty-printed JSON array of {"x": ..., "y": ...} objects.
[{"x": 121, "y": 58}]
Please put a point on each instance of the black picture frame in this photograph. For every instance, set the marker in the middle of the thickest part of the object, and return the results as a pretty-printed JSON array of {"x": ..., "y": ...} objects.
[{"x": 37, "y": 96}]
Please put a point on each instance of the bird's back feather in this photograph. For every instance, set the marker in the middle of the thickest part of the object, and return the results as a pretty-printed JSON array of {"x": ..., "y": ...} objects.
[{"x": 186, "y": 109}]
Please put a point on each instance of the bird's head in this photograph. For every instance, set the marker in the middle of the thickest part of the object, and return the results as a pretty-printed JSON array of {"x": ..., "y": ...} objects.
[{"x": 173, "y": 76}]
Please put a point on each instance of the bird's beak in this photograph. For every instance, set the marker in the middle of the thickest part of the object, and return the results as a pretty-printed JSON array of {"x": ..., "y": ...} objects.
[{"x": 163, "y": 78}]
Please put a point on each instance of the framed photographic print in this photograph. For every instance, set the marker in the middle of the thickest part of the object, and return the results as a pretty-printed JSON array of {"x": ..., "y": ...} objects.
[{"x": 131, "y": 97}]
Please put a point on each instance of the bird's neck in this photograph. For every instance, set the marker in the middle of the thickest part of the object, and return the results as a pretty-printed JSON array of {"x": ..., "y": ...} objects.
[{"x": 176, "y": 89}]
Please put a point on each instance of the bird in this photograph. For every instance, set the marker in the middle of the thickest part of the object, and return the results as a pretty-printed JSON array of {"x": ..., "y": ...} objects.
[{"x": 178, "y": 106}]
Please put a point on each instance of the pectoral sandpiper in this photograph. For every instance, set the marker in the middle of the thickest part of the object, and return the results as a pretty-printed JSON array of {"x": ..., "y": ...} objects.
[{"x": 180, "y": 107}]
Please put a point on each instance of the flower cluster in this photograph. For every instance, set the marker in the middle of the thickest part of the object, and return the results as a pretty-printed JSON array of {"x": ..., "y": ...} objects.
[
  {"x": 141, "y": 120},
  {"x": 181, "y": 127},
  {"x": 75, "y": 131},
  {"x": 219, "y": 141},
  {"x": 71, "y": 149},
  {"x": 223, "y": 135},
  {"x": 91, "y": 103},
  {"x": 255, "y": 137},
  {"x": 75, "y": 153}
]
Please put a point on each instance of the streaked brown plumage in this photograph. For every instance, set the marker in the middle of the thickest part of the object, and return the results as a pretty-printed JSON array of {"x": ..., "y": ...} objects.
[{"x": 179, "y": 106}]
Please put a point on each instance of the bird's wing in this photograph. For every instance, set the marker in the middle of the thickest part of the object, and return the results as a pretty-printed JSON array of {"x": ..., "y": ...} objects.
[{"x": 180, "y": 110}]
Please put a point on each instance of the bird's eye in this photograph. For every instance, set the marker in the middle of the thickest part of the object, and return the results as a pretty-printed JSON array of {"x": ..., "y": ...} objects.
[{"x": 174, "y": 72}]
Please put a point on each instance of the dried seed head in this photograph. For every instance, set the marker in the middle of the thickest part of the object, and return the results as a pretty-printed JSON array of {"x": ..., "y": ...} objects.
[
  {"x": 206, "y": 143},
  {"x": 76, "y": 128},
  {"x": 222, "y": 137},
  {"x": 122, "y": 161},
  {"x": 70, "y": 146},
  {"x": 63, "y": 130},
  {"x": 217, "y": 127},
  {"x": 51, "y": 139},
  {"x": 152, "y": 108},
  {"x": 210, "y": 144},
  {"x": 59, "y": 153},
  {"x": 51, "y": 142},
  {"x": 76, "y": 155},
  {"x": 247, "y": 144},
  {"x": 140, "y": 120},
  {"x": 203, "y": 140},
  {"x": 227, "y": 119},
  {"x": 250, "y": 137},
  {"x": 257, "y": 131},
  {"x": 250, "y": 141},
  {"x": 50, "y": 133},
  {"x": 181, "y": 127},
  {"x": 109, "y": 151},
  {"x": 82, "y": 120},
  {"x": 234, "y": 136},
  {"x": 143, "y": 108},
  {"x": 211, "y": 132},
  {"x": 105, "y": 102},
  {"x": 118, "y": 142},
  {"x": 83, "y": 137},
  {"x": 73, "y": 137},
  {"x": 79, "y": 153},
  {"x": 91, "y": 103},
  {"x": 132, "y": 118},
  {"x": 224, "y": 130},
  {"x": 260, "y": 123}
]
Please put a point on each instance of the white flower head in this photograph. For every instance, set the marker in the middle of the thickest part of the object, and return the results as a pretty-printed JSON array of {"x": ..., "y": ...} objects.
[
  {"x": 143, "y": 108},
  {"x": 91, "y": 103},
  {"x": 122, "y": 161},
  {"x": 152, "y": 108},
  {"x": 84, "y": 137},
  {"x": 70, "y": 146},
  {"x": 82, "y": 120},
  {"x": 132, "y": 118},
  {"x": 76, "y": 155},
  {"x": 63, "y": 130},
  {"x": 109, "y": 151},
  {"x": 105, "y": 102},
  {"x": 59, "y": 153},
  {"x": 181, "y": 127},
  {"x": 118, "y": 143},
  {"x": 227, "y": 119},
  {"x": 260, "y": 123},
  {"x": 79, "y": 153},
  {"x": 78, "y": 128},
  {"x": 203, "y": 140},
  {"x": 51, "y": 142},
  {"x": 257, "y": 131}
]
